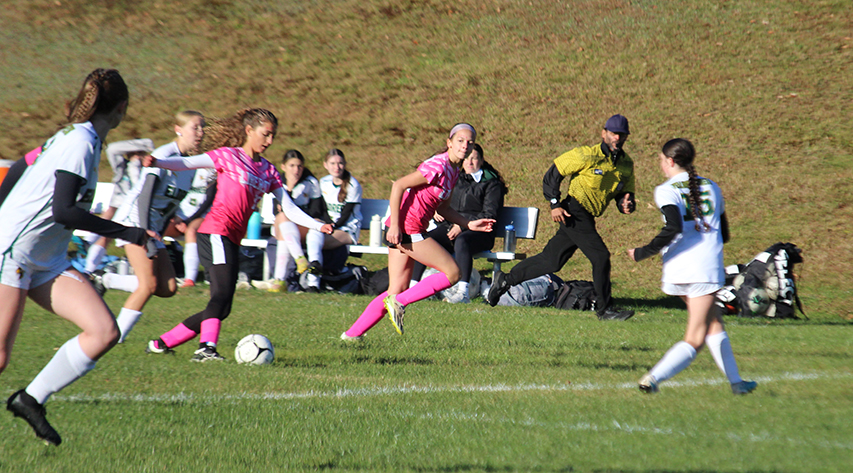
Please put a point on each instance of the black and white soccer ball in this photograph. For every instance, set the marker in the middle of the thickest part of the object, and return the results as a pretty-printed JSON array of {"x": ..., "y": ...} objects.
[{"x": 255, "y": 349}]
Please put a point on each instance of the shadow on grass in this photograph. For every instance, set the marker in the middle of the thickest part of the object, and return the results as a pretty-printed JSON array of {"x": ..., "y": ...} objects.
[
  {"x": 640, "y": 304},
  {"x": 448, "y": 468},
  {"x": 392, "y": 360}
]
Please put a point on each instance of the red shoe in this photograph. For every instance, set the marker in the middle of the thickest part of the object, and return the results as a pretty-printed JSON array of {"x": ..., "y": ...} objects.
[{"x": 188, "y": 283}]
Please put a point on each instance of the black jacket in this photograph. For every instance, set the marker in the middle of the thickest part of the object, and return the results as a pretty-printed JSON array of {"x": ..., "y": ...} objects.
[{"x": 475, "y": 200}]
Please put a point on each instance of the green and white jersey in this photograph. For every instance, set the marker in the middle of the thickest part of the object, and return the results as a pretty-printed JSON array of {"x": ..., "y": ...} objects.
[
  {"x": 333, "y": 206},
  {"x": 170, "y": 190},
  {"x": 29, "y": 233},
  {"x": 694, "y": 256}
]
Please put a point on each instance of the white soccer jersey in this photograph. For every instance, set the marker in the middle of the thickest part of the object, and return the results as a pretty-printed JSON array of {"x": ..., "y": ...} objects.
[
  {"x": 29, "y": 234},
  {"x": 693, "y": 256},
  {"x": 201, "y": 179},
  {"x": 333, "y": 207},
  {"x": 197, "y": 194},
  {"x": 170, "y": 190},
  {"x": 125, "y": 173},
  {"x": 304, "y": 191}
]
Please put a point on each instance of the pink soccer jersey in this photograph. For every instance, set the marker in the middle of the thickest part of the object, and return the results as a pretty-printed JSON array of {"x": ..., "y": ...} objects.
[
  {"x": 240, "y": 185},
  {"x": 419, "y": 203}
]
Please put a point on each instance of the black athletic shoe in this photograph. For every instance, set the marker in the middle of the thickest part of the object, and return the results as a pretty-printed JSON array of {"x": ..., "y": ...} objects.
[
  {"x": 24, "y": 406},
  {"x": 97, "y": 279},
  {"x": 615, "y": 313},
  {"x": 498, "y": 288},
  {"x": 315, "y": 268},
  {"x": 206, "y": 353}
]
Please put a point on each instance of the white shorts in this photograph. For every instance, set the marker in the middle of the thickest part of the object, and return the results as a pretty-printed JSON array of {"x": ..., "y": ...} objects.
[
  {"x": 159, "y": 244},
  {"x": 17, "y": 275},
  {"x": 690, "y": 289}
]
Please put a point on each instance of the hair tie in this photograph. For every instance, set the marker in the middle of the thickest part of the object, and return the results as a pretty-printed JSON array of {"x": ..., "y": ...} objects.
[{"x": 463, "y": 126}]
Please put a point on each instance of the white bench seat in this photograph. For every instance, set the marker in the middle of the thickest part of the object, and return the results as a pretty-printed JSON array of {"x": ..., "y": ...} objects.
[{"x": 524, "y": 219}]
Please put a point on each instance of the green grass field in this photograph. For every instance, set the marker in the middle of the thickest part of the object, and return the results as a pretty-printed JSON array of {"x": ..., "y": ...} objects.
[
  {"x": 468, "y": 388},
  {"x": 763, "y": 88}
]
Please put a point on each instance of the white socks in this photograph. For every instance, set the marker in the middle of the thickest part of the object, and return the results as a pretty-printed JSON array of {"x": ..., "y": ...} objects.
[
  {"x": 314, "y": 242},
  {"x": 68, "y": 365},
  {"x": 122, "y": 282},
  {"x": 283, "y": 260},
  {"x": 93, "y": 257},
  {"x": 292, "y": 238},
  {"x": 676, "y": 359},
  {"x": 191, "y": 261},
  {"x": 721, "y": 349},
  {"x": 126, "y": 319}
]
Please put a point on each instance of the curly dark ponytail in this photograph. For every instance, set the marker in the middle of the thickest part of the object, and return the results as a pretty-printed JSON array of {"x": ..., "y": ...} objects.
[
  {"x": 682, "y": 153},
  {"x": 102, "y": 91}
]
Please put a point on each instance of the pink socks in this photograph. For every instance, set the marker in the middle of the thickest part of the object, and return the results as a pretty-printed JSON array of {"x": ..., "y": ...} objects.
[
  {"x": 426, "y": 288},
  {"x": 177, "y": 335},
  {"x": 372, "y": 314},
  {"x": 376, "y": 309},
  {"x": 210, "y": 331}
]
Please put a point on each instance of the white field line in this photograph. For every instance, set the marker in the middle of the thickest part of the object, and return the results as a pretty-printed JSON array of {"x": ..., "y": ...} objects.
[
  {"x": 701, "y": 432},
  {"x": 413, "y": 389}
]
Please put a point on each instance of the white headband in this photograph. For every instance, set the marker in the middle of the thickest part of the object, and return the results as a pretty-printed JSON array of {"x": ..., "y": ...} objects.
[{"x": 463, "y": 126}]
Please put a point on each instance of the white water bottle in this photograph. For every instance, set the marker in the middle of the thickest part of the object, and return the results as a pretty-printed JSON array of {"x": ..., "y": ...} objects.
[{"x": 375, "y": 231}]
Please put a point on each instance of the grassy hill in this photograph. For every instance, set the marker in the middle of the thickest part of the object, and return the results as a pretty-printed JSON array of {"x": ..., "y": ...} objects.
[{"x": 763, "y": 88}]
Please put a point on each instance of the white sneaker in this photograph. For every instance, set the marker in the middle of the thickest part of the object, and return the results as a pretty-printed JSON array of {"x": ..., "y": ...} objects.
[
  {"x": 648, "y": 384},
  {"x": 347, "y": 338},
  {"x": 455, "y": 296}
]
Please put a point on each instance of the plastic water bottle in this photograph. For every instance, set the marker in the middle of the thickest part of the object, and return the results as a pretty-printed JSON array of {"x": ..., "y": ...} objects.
[
  {"x": 122, "y": 267},
  {"x": 375, "y": 231},
  {"x": 253, "y": 232},
  {"x": 509, "y": 239}
]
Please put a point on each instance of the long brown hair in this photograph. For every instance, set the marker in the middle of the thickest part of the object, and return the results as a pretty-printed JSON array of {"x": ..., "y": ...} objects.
[
  {"x": 342, "y": 193},
  {"x": 682, "y": 153},
  {"x": 102, "y": 91},
  {"x": 231, "y": 132}
]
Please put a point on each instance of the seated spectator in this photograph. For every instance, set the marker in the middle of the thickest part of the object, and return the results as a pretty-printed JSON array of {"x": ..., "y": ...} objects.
[{"x": 479, "y": 193}]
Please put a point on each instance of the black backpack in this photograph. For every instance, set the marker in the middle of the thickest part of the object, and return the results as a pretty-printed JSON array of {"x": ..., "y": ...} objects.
[
  {"x": 765, "y": 287},
  {"x": 576, "y": 295}
]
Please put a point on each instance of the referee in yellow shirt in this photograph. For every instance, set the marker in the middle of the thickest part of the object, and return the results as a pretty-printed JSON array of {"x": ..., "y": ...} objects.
[{"x": 597, "y": 174}]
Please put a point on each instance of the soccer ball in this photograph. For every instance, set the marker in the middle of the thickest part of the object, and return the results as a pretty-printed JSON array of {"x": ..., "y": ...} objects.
[
  {"x": 757, "y": 301},
  {"x": 771, "y": 283},
  {"x": 255, "y": 349}
]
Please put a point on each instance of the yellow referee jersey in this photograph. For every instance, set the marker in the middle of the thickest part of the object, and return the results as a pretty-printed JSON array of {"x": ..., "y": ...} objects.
[{"x": 595, "y": 180}]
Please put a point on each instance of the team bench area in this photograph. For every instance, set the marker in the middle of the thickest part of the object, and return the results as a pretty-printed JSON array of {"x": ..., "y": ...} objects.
[{"x": 524, "y": 219}]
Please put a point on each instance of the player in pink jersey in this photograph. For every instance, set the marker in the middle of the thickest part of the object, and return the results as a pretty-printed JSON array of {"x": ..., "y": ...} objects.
[
  {"x": 414, "y": 200},
  {"x": 243, "y": 177}
]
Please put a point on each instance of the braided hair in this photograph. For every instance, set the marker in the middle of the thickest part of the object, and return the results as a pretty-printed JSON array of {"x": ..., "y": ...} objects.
[
  {"x": 231, "y": 132},
  {"x": 342, "y": 193},
  {"x": 102, "y": 91},
  {"x": 682, "y": 153}
]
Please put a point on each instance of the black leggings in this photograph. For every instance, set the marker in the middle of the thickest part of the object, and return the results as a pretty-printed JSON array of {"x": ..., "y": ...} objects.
[
  {"x": 463, "y": 248},
  {"x": 578, "y": 232},
  {"x": 220, "y": 257}
]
